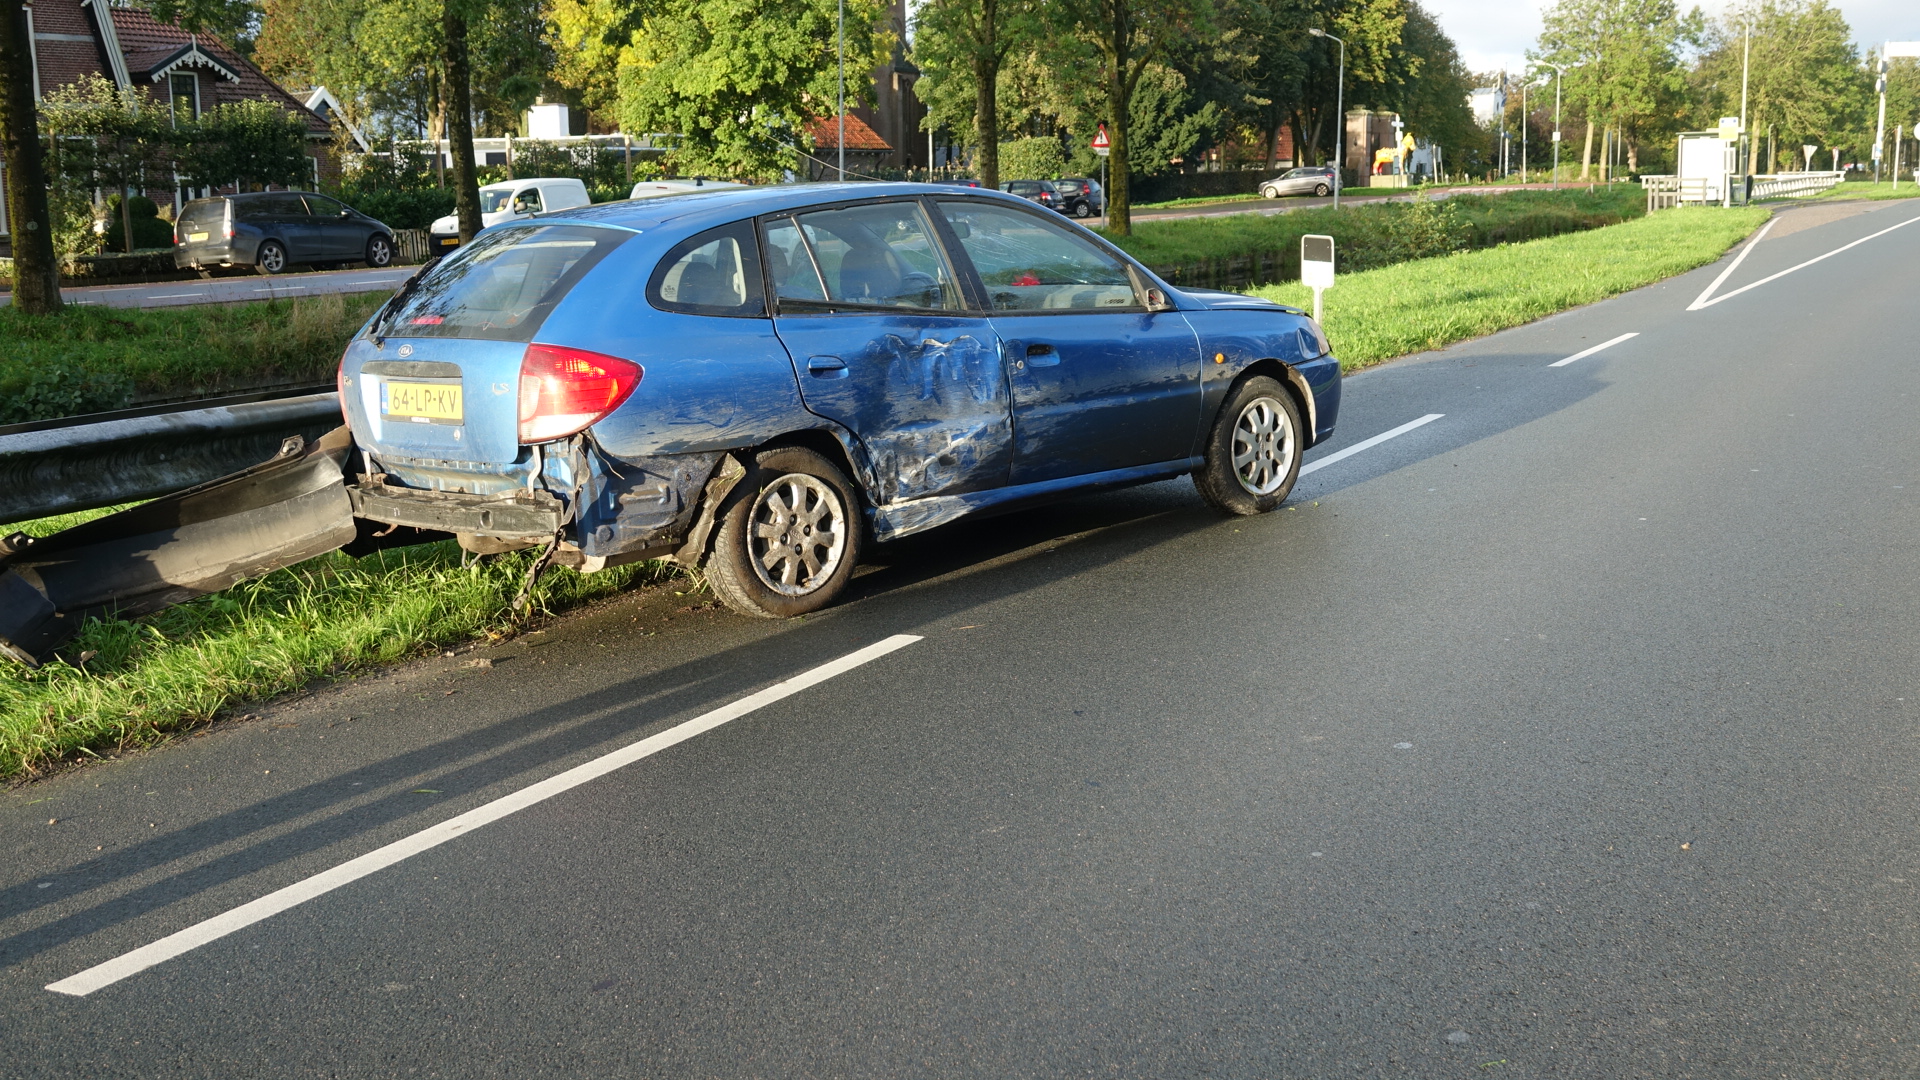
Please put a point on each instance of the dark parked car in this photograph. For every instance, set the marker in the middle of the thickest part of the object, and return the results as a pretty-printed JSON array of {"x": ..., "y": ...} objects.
[
  {"x": 1034, "y": 191},
  {"x": 766, "y": 379},
  {"x": 1079, "y": 197},
  {"x": 272, "y": 230}
]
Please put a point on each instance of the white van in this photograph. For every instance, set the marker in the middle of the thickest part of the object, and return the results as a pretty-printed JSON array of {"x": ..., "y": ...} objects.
[
  {"x": 512, "y": 199},
  {"x": 649, "y": 189}
]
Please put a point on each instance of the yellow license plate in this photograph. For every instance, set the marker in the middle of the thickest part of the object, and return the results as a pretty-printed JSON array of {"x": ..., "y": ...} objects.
[
  {"x": 427, "y": 403},
  {"x": 450, "y": 241},
  {"x": 196, "y": 237}
]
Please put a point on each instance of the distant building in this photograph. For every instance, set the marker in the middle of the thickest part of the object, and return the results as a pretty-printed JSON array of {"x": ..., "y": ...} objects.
[
  {"x": 866, "y": 150},
  {"x": 1489, "y": 103}
]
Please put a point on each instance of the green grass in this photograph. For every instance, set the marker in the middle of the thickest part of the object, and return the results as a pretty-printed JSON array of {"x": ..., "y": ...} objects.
[
  {"x": 89, "y": 359},
  {"x": 1363, "y": 233},
  {"x": 327, "y": 616},
  {"x": 1380, "y": 314},
  {"x": 1198, "y": 200},
  {"x": 1861, "y": 190}
]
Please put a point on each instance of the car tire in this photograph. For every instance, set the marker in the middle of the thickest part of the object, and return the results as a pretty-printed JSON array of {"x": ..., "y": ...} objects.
[
  {"x": 1253, "y": 451},
  {"x": 379, "y": 251},
  {"x": 1269, "y": 192},
  {"x": 1083, "y": 209},
  {"x": 797, "y": 511},
  {"x": 271, "y": 258},
  {"x": 1321, "y": 189}
]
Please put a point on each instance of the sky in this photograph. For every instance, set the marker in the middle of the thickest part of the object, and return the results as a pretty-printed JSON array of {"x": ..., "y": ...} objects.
[{"x": 1493, "y": 34}]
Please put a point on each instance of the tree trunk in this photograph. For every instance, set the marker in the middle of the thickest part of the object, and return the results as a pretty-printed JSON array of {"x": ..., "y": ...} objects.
[
  {"x": 36, "y": 277},
  {"x": 126, "y": 218},
  {"x": 1633, "y": 156},
  {"x": 1586, "y": 152},
  {"x": 1119, "y": 200},
  {"x": 459, "y": 103},
  {"x": 986, "y": 118}
]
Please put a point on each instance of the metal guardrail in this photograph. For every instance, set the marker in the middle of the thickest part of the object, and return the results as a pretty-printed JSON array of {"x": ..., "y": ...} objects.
[
  {"x": 62, "y": 470},
  {"x": 1795, "y": 185}
]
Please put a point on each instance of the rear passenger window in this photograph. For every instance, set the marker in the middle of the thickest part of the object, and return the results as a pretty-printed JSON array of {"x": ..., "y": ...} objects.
[
  {"x": 881, "y": 255},
  {"x": 714, "y": 273}
]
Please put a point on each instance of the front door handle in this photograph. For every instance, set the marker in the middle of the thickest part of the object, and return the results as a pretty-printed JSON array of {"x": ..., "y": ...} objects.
[
  {"x": 1041, "y": 355},
  {"x": 826, "y": 367}
]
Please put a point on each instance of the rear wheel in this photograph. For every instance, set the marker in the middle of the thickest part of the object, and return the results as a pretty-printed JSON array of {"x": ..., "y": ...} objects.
[
  {"x": 1321, "y": 189},
  {"x": 789, "y": 536},
  {"x": 271, "y": 259},
  {"x": 1253, "y": 452},
  {"x": 379, "y": 251},
  {"x": 1083, "y": 209}
]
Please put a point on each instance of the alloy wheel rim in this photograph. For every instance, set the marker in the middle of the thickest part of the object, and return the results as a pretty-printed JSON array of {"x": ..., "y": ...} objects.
[
  {"x": 271, "y": 259},
  {"x": 797, "y": 534},
  {"x": 1263, "y": 446}
]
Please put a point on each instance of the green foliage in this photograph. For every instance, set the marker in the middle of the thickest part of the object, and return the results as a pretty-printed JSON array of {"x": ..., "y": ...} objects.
[
  {"x": 1032, "y": 159},
  {"x": 1805, "y": 80},
  {"x": 740, "y": 78},
  {"x": 267, "y": 636},
  {"x": 1432, "y": 303},
  {"x": 89, "y": 359},
  {"x": 415, "y": 209},
  {"x": 148, "y": 230},
  {"x": 254, "y": 142}
]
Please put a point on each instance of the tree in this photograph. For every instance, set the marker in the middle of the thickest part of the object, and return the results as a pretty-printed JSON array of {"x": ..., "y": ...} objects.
[
  {"x": 1126, "y": 37},
  {"x": 739, "y": 79},
  {"x": 961, "y": 45},
  {"x": 111, "y": 137},
  {"x": 1805, "y": 80},
  {"x": 1623, "y": 70},
  {"x": 1037, "y": 158},
  {"x": 36, "y": 277}
]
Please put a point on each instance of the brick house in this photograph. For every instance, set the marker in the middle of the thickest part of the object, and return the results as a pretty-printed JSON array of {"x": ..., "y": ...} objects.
[
  {"x": 72, "y": 39},
  {"x": 866, "y": 150}
]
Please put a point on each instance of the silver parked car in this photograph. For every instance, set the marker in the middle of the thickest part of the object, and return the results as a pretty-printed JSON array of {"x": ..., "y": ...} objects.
[{"x": 1311, "y": 180}]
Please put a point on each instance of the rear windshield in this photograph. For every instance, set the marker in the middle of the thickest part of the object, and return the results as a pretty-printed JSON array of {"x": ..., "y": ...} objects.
[{"x": 502, "y": 286}]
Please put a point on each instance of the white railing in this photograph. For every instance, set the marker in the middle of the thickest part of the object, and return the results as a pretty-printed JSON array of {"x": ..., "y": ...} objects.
[
  {"x": 1794, "y": 185},
  {"x": 1663, "y": 192},
  {"x": 411, "y": 246}
]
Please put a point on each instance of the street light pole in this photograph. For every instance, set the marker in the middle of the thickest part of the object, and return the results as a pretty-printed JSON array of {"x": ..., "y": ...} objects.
[
  {"x": 1557, "y": 72},
  {"x": 1523, "y": 131},
  {"x": 1340, "y": 107},
  {"x": 843, "y": 89}
]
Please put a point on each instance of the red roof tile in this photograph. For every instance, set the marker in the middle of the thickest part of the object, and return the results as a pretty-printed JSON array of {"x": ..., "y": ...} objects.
[
  {"x": 141, "y": 35},
  {"x": 826, "y": 134}
]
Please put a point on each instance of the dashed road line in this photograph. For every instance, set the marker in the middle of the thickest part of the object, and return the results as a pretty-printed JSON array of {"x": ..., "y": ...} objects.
[
  {"x": 1368, "y": 444},
  {"x": 1583, "y": 354},
  {"x": 103, "y": 975}
]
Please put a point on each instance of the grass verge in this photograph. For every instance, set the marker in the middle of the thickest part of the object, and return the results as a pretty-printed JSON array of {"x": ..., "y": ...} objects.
[
  {"x": 89, "y": 359},
  {"x": 1380, "y": 314},
  {"x": 142, "y": 679},
  {"x": 1858, "y": 189}
]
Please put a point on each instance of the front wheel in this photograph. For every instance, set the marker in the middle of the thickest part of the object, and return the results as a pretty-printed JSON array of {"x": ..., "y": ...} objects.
[
  {"x": 789, "y": 536},
  {"x": 1253, "y": 452},
  {"x": 1271, "y": 193},
  {"x": 1321, "y": 189},
  {"x": 271, "y": 259},
  {"x": 379, "y": 251}
]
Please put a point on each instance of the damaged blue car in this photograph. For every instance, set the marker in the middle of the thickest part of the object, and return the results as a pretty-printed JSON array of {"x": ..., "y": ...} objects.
[
  {"x": 762, "y": 380},
  {"x": 756, "y": 380}
]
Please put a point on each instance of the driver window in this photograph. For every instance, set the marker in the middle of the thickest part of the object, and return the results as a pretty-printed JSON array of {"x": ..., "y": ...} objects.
[
  {"x": 527, "y": 202},
  {"x": 881, "y": 254},
  {"x": 1030, "y": 264}
]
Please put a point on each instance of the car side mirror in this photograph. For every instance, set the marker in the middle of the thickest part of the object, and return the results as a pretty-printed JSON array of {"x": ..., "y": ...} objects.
[
  {"x": 346, "y": 213},
  {"x": 1157, "y": 301}
]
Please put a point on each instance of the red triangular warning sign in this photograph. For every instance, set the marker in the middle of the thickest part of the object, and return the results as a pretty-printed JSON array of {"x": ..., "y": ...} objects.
[{"x": 1100, "y": 141}]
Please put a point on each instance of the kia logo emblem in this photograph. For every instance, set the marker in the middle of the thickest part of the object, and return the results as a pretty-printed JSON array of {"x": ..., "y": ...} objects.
[{"x": 406, "y": 351}]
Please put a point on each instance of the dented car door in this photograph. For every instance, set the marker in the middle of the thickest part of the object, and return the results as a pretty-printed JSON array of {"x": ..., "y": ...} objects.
[{"x": 869, "y": 307}]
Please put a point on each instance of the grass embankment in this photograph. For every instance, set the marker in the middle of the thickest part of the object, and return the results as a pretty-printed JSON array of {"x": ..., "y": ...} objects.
[
  {"x": 1858, "y": 189},
  {"x": 1381, "y": 233},
  {"x": 90, "y": 359},
  {"x": 147, "y": 677},
  {"x": 1396, "y": 310}
]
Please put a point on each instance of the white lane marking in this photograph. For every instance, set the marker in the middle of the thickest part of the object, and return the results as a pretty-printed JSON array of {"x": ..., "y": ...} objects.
[
  {"x": 120, "y": 967},
  {"x": 1703, "y": 302},
  {"x": 1589, "y": 352},
  {"x": 1369, "y": 444},
  {"x": 174, "y": 295}
]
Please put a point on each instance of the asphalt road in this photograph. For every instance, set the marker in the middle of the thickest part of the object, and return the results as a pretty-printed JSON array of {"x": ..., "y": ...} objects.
[
  {"x": 235, "y": 288},
  {"x": 1570, "y": 734}
]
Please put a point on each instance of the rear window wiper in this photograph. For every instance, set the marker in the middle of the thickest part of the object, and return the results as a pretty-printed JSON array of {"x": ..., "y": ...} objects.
[{"x": 379, "y": 335}]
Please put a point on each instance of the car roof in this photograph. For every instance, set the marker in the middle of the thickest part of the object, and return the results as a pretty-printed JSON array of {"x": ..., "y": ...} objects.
[{"x": 697, "y": 209}]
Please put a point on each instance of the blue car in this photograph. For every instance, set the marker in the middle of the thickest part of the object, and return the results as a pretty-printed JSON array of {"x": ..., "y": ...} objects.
[{"x": 763, "y": 380}]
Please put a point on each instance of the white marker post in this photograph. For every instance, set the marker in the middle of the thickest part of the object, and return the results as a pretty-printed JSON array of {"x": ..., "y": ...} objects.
[{"x": 1316, "y": 267}]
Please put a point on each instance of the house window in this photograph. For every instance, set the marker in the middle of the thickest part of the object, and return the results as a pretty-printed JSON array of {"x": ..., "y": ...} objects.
[{"x": 184, "y": 89}]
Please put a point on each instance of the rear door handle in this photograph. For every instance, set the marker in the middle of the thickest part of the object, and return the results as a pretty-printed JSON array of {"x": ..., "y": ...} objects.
[
  {"x": 1041, "y": 355},
  {"x": 826, "y": 367}
]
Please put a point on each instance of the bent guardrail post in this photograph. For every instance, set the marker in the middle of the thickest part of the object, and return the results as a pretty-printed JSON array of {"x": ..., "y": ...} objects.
[
  {"x": 61, "y": 470},
  {"x": 277, "y": 513}
]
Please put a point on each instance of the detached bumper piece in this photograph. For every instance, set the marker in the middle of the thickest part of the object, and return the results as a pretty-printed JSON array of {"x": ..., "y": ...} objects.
[
  {"x": 198, "y": 541},
  {"x": 482, "y": 522}
]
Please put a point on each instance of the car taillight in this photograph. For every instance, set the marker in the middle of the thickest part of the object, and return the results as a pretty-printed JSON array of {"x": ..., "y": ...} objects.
[
  {"x": 340, "y": 386},
  {"x": 566, "y": 390}
]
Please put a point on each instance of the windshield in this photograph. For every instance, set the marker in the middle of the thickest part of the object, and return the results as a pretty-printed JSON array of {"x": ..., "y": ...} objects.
[
  {"x": 502, "y": 286},
  {"x": 492, "y": 202}
]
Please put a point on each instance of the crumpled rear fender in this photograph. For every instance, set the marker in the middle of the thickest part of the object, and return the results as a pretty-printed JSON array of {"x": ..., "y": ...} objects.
[{"x": 287, "y": 509}]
